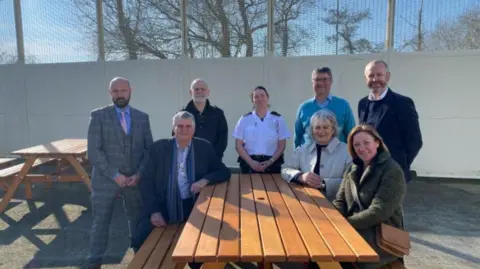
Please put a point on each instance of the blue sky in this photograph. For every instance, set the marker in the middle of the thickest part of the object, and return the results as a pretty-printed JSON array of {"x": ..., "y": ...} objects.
[{"x": 52, "y": 33}]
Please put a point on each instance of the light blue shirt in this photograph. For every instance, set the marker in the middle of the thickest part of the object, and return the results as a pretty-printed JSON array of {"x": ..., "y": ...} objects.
[
  {"x": 183, "y": 184},
  {"x": 325, "y": 103},
  {"x": 128, "y": 117}
]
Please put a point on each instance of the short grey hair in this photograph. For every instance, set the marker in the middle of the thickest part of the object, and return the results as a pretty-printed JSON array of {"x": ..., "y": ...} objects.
[
  {"x": 181, "y": 116},
  {"x": 375, "y": 62},
  {"x": 325, "y": 115},
  {"x": 196, "y": 81}
]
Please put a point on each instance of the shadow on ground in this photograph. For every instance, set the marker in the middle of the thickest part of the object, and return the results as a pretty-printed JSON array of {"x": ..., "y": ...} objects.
[{"x": 52, "y": 230}]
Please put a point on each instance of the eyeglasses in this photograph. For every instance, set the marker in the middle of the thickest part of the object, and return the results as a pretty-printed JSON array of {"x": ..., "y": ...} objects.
[{"x": 322, "y": 79}]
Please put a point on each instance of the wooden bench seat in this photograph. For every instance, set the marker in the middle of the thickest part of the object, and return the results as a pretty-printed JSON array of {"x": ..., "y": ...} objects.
[
  {"x": 12, "y": 171},
  {"x": 6, "y": 162},
  {"x": 157, "y": 250}
]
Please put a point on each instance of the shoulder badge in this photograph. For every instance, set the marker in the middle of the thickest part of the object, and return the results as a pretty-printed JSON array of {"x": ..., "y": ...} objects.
[
  {"x": 249, "y": 113},
  {"x": 275, "y": 113}
]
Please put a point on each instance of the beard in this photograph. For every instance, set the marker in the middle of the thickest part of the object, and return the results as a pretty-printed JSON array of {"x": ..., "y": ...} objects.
[
  {"x": 200, "y": 99},
  {"x": 121, "y": 102},
  {"x": 377, "y": 85}
]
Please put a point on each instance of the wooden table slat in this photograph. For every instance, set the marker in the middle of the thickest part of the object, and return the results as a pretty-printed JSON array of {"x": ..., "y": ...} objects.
[
  {"x": 292, "y": 242},
  {"x": 161, "y": 248},
  {"x": 65, "y": 146},
  {"x": 313, "y": 241},
  {"x": 338, "y": 247},
  {"x": 187, "y": 243},
  {"x": 272, "y": 244},
  {"x": 7, "y": 160},
  {"x": 146, "y": 249},
  {"x": 168, "y": 262},
  {"x": 229, "y": 246},
  {"x": 360, "y": 247},
  {"x": 251, "y": 249},
  {"x": 208, "y": 243}
]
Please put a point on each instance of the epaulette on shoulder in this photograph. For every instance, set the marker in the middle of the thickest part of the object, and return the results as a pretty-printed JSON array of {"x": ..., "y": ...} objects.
[
  {"x": 275, "y": 113},
  {"x": 249, "y": 113}
]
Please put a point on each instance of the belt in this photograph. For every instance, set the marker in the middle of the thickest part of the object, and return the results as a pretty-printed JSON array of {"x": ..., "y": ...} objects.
[{"x": 261, "y": 156}]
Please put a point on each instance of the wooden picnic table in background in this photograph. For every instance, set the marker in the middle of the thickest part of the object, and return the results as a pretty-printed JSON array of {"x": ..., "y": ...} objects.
[
  {"x": 257, "y": 218},
  {"x": 65, "y": 152},
  {"x": 6, "y": 162}
]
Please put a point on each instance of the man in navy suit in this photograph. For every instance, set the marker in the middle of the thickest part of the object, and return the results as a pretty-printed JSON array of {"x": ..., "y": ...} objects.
[
  {"x": 392, "y": 114},
  {"x": 177, "y": 169}
]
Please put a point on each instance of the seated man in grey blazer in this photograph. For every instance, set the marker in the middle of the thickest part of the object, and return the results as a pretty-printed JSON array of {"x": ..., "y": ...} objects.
[
  {"x": 177, "y": 170},
  {"x": 321, "y": 162},
  {"x": 118, "y": 141}
]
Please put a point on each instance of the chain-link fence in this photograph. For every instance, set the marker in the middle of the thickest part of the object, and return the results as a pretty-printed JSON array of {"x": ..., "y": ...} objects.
[
  {"x": 329, "y": 27},
  {"x": 52, "y": 33},
  {"x": 67, "y": 30},
  {"x": 8, "y": 41},
  {"x": 428, "y": 25}
]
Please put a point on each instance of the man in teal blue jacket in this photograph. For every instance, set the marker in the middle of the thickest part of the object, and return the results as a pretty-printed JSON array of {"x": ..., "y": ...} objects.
[{"x": 322, "y": 83}]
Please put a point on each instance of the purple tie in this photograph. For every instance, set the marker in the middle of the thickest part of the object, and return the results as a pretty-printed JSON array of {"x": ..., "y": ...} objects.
[{"x": 123, "y": 122}]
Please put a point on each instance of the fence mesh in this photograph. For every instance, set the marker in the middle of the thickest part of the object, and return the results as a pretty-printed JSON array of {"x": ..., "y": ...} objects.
[
  {"x": 66, "y": 30},
  {"x": 429, "y": 25},
  {"x": 227, "y": 28},
  {"x": 310, "y": 27},
  {"x": 52, "y": 33},
  {"x": 8, "y": 41}
]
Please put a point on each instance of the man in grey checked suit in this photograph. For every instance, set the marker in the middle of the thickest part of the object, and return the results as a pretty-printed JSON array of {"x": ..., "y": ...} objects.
[{"x": 118, "y": 139}]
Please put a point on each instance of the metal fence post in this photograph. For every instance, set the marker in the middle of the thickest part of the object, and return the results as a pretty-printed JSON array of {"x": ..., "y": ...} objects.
[
  {"x": 389, "y": 40},
  {"x": 17, "y": 9},
  {"x": 270, "y": 27},
  {"x": 100, "y": 31},
  {"x": 184, "y": 27}
]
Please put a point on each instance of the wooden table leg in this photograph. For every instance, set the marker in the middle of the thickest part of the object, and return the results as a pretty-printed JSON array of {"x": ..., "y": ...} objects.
[
  {"x": 79, "y": 169},
  {"x": 18, "y": 180},
  {"x": 265, "y": 265},
  {"x": 61, "y": 165},
  {"x": 329, "y": 265}
]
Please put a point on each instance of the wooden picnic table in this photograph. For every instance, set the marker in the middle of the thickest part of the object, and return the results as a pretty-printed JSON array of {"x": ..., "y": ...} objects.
[
  {"x": 257, "y": 218},
  {"x": 5, "y": 162},
  {"x": 65, "y": 152}
]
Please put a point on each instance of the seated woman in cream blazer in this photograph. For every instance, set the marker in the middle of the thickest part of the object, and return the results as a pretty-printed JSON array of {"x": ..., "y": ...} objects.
[{"x": 322, "y": 162}]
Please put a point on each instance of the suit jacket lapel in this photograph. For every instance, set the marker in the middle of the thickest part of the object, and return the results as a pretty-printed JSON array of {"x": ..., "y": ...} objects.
[
  {"x": 116, "y": 124},
  {"x": 168, "y": 156},
  {"x": 384, "y": 107},
  {"x": 134, "y": 126},
  {"x": 362, "y": 114}
]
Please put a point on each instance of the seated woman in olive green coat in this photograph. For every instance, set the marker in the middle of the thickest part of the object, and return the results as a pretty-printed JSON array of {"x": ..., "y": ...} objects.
[{"x": 380, "y": 186}]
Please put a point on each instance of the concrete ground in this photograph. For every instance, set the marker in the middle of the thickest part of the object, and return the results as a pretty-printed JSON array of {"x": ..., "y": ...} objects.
[{"x": 52, "y": 230}]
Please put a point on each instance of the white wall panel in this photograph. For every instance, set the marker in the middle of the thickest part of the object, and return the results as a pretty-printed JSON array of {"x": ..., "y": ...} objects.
[{"x": 41, "y": 103}]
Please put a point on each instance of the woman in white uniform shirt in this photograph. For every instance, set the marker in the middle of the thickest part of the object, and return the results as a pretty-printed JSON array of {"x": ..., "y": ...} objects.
[
  {"x": 260, "y": 136},
  {"x": 322, "y": 162}
]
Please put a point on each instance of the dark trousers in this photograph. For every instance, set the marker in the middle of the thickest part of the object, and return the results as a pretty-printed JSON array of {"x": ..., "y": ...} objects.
[
  {"x": 145, "y": 227},
  {"x": 274, "y": 168}
]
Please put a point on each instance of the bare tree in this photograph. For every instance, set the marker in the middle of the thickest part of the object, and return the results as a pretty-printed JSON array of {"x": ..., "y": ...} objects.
[
  {"x": 415, "y": 43},
  {"x": 460, "y": 34},
  {"x": 226, "y": 28},
  {"x": 347, "y": 22},
  {"x": 291, "y": 36},
  {"x": 7, "y": 58}
]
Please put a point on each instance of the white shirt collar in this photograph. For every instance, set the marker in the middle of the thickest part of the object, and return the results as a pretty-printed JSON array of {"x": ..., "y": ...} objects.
[
  {"x": 332, "y": 144},
  {"x": 371, "y": 96},
  {"x": 254, "y": 113}
]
